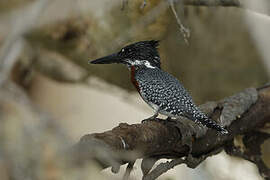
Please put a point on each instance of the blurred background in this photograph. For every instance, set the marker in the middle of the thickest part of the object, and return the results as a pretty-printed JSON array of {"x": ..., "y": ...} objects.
[{"x": 50, "y": 96}]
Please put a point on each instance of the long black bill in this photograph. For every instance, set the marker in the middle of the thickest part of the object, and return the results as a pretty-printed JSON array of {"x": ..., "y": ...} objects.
[{"x": 113, "y": 58}]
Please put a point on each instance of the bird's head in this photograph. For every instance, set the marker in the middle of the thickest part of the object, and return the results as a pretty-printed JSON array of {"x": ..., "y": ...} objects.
[{"x": 143, "y": 53}]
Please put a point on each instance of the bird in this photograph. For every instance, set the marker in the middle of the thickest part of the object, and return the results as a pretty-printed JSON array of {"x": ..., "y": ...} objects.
[{"x": 163, "y": 92}]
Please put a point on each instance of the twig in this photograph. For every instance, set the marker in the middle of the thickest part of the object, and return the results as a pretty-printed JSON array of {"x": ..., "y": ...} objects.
[
  {"x": 128, "y": 170},
  {"x": 162, "y": 168},
  {"x": 147, "y": 164},
  {"x": 184, "y": 31},
  {"x": 143, "y": 4},
  {"x": 124, "y": 4},
  {"x": 190, "y": 161}
]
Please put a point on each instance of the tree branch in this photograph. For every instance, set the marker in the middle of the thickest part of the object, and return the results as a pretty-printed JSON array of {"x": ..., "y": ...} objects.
[
  {"x": 184, "y": 31},
  {"x": 252, "y": 142},
  {"x": 233, "y": 3},
  {"x": 248, "y": 110}
]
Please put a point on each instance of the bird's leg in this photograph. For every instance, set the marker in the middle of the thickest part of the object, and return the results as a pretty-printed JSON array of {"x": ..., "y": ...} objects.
[
  {"x": 169, "y": 119},
  {"x": 152, "y": 118}
]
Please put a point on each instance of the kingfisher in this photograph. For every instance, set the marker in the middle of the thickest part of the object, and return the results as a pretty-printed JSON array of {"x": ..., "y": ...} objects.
[{"x": 159, "y": 89}]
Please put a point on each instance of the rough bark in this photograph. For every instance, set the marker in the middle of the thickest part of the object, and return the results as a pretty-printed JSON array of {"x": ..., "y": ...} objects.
[{"x": 242, "y": 113}]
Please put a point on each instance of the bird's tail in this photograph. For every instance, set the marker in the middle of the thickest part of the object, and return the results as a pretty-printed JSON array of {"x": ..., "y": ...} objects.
[
  {"x": 212, "y": 124},
  {"x": 204, "y": 120}
]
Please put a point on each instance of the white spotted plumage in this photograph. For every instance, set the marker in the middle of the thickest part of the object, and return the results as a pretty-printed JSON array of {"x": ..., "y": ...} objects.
[{"x": 165, "y": 94}]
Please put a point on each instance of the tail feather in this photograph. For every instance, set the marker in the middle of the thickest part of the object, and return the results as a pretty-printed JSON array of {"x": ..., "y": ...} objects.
[
  {"x": 204, "y": 120},
  {"x": 212, "y": 124}
]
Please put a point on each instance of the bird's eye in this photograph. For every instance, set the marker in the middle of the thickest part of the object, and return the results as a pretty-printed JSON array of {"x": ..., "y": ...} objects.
[{"x": 123, "y": 50}]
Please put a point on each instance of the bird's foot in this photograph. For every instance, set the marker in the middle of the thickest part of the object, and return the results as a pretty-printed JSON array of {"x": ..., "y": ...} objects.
[
  {"x": 148, "y": 119},
  {"x": 152, "y": 118},
  {"x": 169, "y": 119}
]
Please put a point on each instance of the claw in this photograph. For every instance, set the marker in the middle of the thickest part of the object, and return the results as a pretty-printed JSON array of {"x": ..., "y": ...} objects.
[
  {"x": 148, "y": 119},
  {"x": 152, "y": 118}
]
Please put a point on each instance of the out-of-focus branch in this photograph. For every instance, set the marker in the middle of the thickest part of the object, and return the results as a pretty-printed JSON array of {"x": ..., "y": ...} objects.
[
  {"x": 190, "y": 161},
  {"x": 233, "y": 3},
  {"x": 10, "y": 50},
  {"x": 8, "y": 56},
  {"x": 166, "y": 139},
  {"x": 185, "y": 31},
  {"x": 58, "y": 67}
]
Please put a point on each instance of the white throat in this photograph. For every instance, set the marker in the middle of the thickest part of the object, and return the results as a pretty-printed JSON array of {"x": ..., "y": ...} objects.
[{"x": 142, "y": 62}]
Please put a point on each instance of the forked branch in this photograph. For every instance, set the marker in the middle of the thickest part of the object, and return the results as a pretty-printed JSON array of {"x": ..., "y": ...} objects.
[{"x": 241, "y": 113}]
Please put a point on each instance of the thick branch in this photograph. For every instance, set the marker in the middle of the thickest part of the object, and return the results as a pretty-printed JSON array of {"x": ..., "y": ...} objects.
[{"x": 164, "y": 139}]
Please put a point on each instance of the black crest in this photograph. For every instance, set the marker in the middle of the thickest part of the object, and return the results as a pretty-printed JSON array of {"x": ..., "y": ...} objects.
[
  {"x": 154, "y": 43},
  {"x": 142, "y": 50}
]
